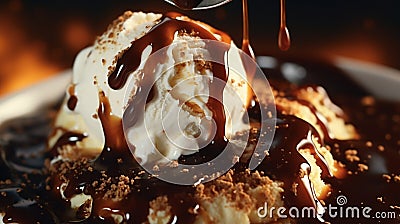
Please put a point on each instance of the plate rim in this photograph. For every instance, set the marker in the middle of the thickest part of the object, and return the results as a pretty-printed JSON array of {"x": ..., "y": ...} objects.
[{"x": 42, "y": 93}]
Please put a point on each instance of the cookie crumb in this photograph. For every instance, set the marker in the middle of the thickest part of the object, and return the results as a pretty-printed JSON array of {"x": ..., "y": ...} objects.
[
  {"x": 387, "y": 177},
  {"x": 362, "y": 167},
  {"x": 351, "y": 155}
]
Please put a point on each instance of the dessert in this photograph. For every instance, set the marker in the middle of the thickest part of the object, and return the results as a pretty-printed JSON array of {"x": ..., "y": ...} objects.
[
  {"x": 195, "y": 100},
  {"x": 94, "y": 168},
  {"x": 121, "y": 56}
]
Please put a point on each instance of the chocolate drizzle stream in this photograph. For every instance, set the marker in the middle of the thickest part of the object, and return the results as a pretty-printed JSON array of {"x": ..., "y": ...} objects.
[
  {"x": 283, "y": 37},
  {"x": 112, "y": 125},
  {"x": 246, "y": 47}
]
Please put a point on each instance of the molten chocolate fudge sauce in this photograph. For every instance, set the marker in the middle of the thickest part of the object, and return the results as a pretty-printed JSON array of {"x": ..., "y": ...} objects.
[
  {"x": 25, "y": 199},
  {"x": 246, "y": 47}
]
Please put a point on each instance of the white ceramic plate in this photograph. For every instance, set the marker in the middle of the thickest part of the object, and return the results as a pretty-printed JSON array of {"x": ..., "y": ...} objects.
[
  {"x": 381, "y": 81},
  {"x": 34, "y": 97}
]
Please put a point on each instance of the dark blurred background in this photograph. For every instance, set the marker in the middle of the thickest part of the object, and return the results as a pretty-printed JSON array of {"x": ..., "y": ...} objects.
[{"x": 40, "y": 38}]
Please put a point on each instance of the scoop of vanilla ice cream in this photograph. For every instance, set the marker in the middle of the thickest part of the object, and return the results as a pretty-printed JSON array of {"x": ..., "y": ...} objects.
[
  {"x": 90, "y": 73},
  {"x": 177, "y": 120}
]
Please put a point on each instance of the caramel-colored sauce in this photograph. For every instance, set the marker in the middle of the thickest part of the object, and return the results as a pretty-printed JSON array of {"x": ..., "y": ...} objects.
[
  {"x": 283, "y": 37},
  {"x": 246, "y": 47}
]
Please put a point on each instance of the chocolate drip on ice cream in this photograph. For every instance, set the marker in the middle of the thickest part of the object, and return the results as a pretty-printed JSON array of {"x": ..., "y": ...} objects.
[
  {"x": 67, "y": 138},
  {"x": 73, "y": 99},
  {"x": 119, "y": 187},
  {"x": 285, "y": 163},
  {"x": 161, "y": 35}
]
